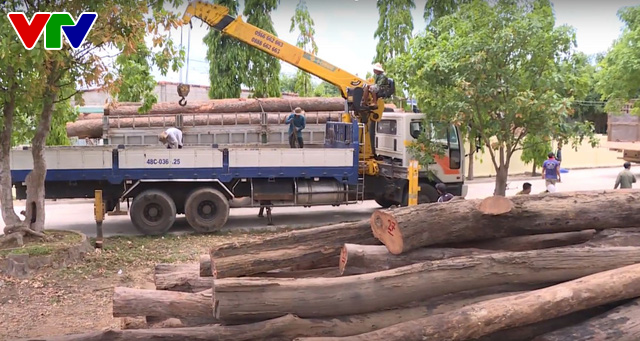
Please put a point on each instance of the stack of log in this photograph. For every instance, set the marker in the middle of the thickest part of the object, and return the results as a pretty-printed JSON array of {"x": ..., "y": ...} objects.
[
  {"x": 559, "y": 266},
  {"x": 241, "y": 111}
]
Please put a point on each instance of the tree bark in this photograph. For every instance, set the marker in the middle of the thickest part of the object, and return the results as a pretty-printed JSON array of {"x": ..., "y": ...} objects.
[
  {"x": 619, "y": 324},
  {"x": 185, "y": 281},
  {"x": 407, "y": 228},
  {"x": 167, "y": 268},
  {"x": 289, "y": 327},
  {"x": 93, "y": 128},
  {"x": 490, "y": 316},
  {"x": 253, "y": 299},
  {"x": 161, "y": 303},
  {"x": 35, "y": 210},
  {"x": 232, "y": 105},
  {"x": 9, "y": 215},
  {"x": 360, "y": 259},
  {"x": 534, "y": 242},
  {"x": 300, "y": 250}
]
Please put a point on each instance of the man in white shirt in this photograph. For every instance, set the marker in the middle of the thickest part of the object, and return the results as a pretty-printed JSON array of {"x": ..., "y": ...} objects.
[{"x": 172, "y": 137}]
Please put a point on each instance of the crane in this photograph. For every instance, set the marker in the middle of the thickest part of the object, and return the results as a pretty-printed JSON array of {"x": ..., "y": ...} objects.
[{"x": 352, "y": 87}]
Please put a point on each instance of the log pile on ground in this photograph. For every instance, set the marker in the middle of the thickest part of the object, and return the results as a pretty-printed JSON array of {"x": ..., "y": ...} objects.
[
  {"x": 561, "y": 266},
  {"x": 240, "y": 111}
]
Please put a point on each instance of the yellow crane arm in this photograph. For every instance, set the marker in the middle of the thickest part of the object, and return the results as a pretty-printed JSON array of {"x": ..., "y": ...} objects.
[{"x": 218, "y": 17}]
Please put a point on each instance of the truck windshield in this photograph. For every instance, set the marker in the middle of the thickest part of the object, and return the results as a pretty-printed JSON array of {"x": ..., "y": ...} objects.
[{"x": 438, "y": 133}]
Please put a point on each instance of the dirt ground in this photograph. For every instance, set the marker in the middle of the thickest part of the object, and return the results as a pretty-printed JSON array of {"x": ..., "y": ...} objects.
[{"x": 77, "y": 299}]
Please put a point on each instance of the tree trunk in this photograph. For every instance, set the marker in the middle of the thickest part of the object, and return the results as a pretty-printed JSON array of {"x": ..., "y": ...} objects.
[
  {"x": 407, "y": 228},
  {"x": 502, "y": 173},
  {"x": 534, "y": 242},
  {"x": 533, "y": 170},
  {"x": 9, "y": 215},
  {"x": 300, "y": 249},
  {"x": 490, "y": 316},
  {"x": 35, "y": 212},
  {"x": 161, "y": 303},
  {"x": 233, "y": 105},
  {"x": 253, "y": 299},
  {"x": 93, "y": 128},
  {"x": 619, "y": 324},
  {"x": 360, "y": 259},
  {"x": 472, "y": 154},
  {"x": 185, "y": 281}
]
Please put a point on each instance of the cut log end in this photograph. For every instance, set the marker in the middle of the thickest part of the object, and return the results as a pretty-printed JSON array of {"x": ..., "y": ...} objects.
[
  {"x": 496, "y": 205},
  {"x": 385, "y": 227}
]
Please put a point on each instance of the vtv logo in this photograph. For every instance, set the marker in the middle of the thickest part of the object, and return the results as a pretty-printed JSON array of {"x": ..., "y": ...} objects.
[{"x": 53, "y": 24}]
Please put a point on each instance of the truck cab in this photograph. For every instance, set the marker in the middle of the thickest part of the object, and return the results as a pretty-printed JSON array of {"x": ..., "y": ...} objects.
[{"x": 392, "y": 135}]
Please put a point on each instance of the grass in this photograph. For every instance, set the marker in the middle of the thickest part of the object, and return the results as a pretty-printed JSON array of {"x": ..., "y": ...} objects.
[{"x": 35, "y": 246}]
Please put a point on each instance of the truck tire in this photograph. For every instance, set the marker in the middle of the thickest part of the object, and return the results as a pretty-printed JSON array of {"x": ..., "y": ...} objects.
[
  {"x": 385, "y": 203},
  {"x": 153, "y": 212},
  {"x": 427, "y": 194},
  {"x": 206, "y": 209}
]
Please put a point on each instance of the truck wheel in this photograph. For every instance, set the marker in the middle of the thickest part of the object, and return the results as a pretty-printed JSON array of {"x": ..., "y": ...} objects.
[
  {"x": 206, "y": 210},
  {"x": 385, "y": 203},
  {"x": 427, "y": 194},
  {"x": 153, "y": 212}
]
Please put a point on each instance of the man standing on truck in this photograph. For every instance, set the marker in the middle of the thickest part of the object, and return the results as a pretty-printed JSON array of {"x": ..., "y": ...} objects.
[
  {"x": 625, "y": 178},
  {"x": 381, "y": 84},
  {"x": 172, "y": 137},
  {"x": 551, "y": 170},
  {"x": 296, "y": 123}
]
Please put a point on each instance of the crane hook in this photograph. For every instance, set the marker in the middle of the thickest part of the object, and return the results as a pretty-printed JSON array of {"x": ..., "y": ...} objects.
[
  {"x": 183, "y": 91},
  {"x": 182, "y": 102}
]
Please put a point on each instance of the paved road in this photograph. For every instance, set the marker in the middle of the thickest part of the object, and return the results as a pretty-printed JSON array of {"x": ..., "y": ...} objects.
[{"x": 78, "y": 214}]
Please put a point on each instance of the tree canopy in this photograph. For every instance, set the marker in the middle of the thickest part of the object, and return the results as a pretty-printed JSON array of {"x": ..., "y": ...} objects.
[
  {"x": 498, "y": 70},
  {"x": 619, "y": 76},
  {"x": 395, "y": 28},
  {"x": 304, "y": 23}
]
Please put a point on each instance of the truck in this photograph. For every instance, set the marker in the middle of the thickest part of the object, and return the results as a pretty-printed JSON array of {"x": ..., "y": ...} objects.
[
  {"x": 363, "y": 156},
  {"x": 623, "y": 134}
]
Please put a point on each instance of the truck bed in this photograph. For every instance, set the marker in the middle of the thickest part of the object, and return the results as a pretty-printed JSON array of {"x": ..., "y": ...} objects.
[{"x": 79, "y": 163}]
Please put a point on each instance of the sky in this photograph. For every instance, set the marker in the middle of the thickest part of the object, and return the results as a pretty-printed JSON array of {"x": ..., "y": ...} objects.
[{"x": 345, "y": 32}]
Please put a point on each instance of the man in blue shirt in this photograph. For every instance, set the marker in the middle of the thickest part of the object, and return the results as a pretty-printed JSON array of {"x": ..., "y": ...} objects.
[
  {"x": 296, "y": 119},
  {"x": 551, "y": 170}
]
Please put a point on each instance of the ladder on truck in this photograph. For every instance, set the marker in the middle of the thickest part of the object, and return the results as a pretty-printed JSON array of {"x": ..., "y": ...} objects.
[{"x": 362, "y": 166}]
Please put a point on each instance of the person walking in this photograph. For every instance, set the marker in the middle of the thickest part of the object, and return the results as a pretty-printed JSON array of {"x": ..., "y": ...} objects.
[
  {"x": 296, "y": 123},
  {"x": 551, "y": 170},
  {"x": 625, "y": 178}
]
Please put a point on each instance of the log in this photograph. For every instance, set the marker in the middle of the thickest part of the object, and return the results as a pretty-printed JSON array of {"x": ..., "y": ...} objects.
[
  {"x": 301, "y": 249},
  {"x": 93, "y": 128},
  {"x": 360, "y": 259},
  {"x": 166, "y": 268},
  {"x": 616, "y": 237},
  {"x": 205, "y": 266},
  {"x": 483, "y": 318},
  {"x": 241, "y": 300},
  {"x": 185, "y": 281},
  {"x": 412, "y": 227},
  {"x": 495, "y": 205},
  {"x": 620, "y": 324},
  {"x": 234, "y": 105},
  {"x": 533, "y": 242},
  {"x": 289, "y": 326},
  {"x": 161, "y": 303}
]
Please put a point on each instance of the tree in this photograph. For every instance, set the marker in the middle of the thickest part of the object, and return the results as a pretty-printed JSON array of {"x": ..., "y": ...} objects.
[
  {"x": 619, "y": 75},
  {"x": 436, "y": 9},
  {"x": 535, "y": 149},
  {"x": 325, "y": 89},
  {"x": 227, "y": 58},
  {"x": 43, "y": 81},
  {"x": 302, "y": 20},
  {"x": 495, "y": 69},
  {"x": 135, "y": 83},
  {"x": 287, "y": 83},
  {"x": 264, "y": 69},
  {"x": 395, "y": 27}
]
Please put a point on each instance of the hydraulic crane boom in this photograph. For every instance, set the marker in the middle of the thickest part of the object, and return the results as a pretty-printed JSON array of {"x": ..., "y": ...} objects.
[{"x": 352, "y": 87}]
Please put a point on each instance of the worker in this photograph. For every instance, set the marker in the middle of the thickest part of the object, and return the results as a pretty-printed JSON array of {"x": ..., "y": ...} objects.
[
  {"x": 172, "y": 137},
  {"x": 526, "y": 189},
  {"x": 444, "y": 195},
  {"x": 300, "y": 122},
  {"x": 551, "y": 170},
  {"x": 381, "y": 85},
  {"x": 625, "y": 178}
]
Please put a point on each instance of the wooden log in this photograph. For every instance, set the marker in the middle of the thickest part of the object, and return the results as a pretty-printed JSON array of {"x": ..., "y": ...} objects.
[
  {"x": 532, "y": 242},
  {"x": 302, "y": 249},
  {"x": 620, "y": 324},
  {"x": 185, "y": 281},
  {"x": 205, "y": 266},
  {"x": 240, "y": 300},
  {"x": 93, "y": 128},
  {"x": 483, "y": 318},
  {"x": 161, "y": 303},
  {"x": 358, "y": 259},
  {"x": 616, "y": 237},
  {"x": 412, "y": 227},
  {"x": 495, "y": 205},
  {"x": 166, "y": 268},
  {"x": 233, "y": 105},
  {"x": 289, "y": 327}
]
